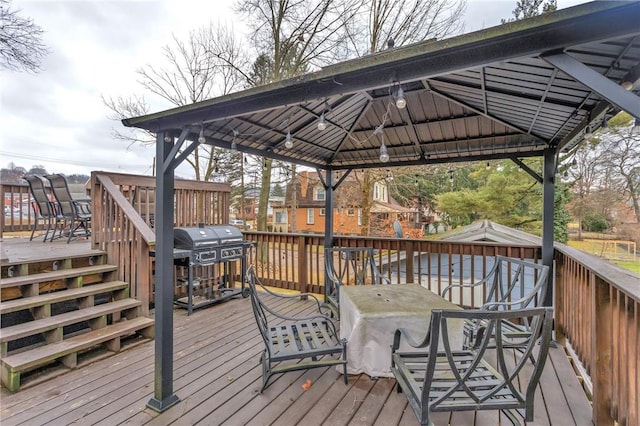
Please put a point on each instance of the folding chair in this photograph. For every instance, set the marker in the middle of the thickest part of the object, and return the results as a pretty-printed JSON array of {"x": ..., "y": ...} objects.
[
  {"x": 43, "y": 208},
  {"x": 76, "y": 212}
]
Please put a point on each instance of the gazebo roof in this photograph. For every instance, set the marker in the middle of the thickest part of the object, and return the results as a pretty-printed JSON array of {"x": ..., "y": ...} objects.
[{"x": 504, "y": 92}]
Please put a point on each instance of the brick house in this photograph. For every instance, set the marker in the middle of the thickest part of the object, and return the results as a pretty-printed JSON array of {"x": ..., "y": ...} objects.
[{"x": 306, "y": 207}]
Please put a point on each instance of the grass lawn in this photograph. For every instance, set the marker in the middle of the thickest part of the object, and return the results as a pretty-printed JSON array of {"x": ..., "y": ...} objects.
[{"x": 628, "y": 264}]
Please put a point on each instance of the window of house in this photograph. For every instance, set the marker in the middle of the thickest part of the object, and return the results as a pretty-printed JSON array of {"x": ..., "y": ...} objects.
[
  {"x": 322, "y": 211},
  {"x": 359, "y": 217},
  {"x": 351, "y": 212},
  {"x": 319, "y": 194},
  {"x": 310, "y": 217},
  {"x": 281, "y": 217}
]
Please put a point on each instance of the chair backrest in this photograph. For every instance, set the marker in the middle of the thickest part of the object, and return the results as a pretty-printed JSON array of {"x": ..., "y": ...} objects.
[
  {"x": 257, "y": 304},
  {"x": 62, "y": 194},
  {"x": 353, "y": 266},
  {"x": 40, "y": 196},
  {"x": 464, "y": 383},
  {"x": 349, "y": 266},
  {"x": 516, "y": 284}
]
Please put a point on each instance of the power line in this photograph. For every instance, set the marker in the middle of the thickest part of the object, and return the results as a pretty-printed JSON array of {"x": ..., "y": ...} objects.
[{"x": 67, "y": 161}]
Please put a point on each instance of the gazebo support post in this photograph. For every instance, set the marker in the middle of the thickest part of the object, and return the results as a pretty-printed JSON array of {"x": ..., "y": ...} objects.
[
  {"x": 164, "y": 397},
  {"x": 328, "y": 221},
  {"x": 548, "y": 197}
]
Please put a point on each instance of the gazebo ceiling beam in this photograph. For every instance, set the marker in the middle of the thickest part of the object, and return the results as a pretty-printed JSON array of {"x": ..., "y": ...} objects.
[
  {"x": 476, "y": 110},
  {"x": 600, "y": 84}
]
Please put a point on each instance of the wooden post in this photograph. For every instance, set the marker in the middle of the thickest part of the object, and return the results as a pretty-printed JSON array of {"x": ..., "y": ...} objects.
[
  {"x": 603, "y": 341},
  {"x": 409, "y": 261},
  {"x": 559, "y": 297},
  {"x": 302, "y": 264}
]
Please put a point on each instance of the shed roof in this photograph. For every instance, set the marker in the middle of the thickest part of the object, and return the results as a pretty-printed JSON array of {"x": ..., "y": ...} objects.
[{"x": 504, "y": 92}]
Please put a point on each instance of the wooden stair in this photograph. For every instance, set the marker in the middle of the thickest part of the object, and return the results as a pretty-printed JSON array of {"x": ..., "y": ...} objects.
[{"x": 55, "y": 310}]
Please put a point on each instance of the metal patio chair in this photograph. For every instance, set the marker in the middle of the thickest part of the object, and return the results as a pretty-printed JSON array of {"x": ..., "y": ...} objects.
[
  {"x": 510, "y": 284},
  {"x": 445, "y": 378},
  {"x": 349, "y": 266},
  {"x": 294, "y": 343},
  {"x": 77, "y": 212},
  {"x": 43, "y": 208}
]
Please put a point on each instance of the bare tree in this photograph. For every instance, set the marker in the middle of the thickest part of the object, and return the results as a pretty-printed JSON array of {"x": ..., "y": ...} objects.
[
  {"x": 380, "y": 24},
  {"x": 619, "y": 150},
  {"x": 210, "y": 62},
  {"x": 21, "y": 46},
  {"x": 392, "y": 23},
  {"x": 529, "y": 8},
  {"x": 291, "y": 37}
]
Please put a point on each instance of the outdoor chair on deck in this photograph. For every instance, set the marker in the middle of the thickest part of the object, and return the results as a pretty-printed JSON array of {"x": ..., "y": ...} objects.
[
  {"x": 349, "y": 266},
  {"x": 510, "y": 284},
  {"x": 43, "y": 208},
  {"x": 77, "y": 212},
  {"x": 451, "y": 379},
  {"x": 294, "y": 343}
]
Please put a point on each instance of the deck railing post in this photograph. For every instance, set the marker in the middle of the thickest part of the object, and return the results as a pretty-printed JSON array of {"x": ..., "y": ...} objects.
[
  {"x": 302, "y": 264},
  {"x": 602, "y": 342},
  {"x": 409, "y": 261}
]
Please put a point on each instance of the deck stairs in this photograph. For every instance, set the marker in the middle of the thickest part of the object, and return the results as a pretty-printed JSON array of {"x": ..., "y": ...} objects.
[{"x": 60, "y": 313}]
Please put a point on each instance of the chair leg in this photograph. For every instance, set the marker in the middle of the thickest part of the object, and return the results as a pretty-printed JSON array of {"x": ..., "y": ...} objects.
[{"x": 266, "y": 371}]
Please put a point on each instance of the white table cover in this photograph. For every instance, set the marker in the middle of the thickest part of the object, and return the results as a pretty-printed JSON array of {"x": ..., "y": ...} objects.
[{"x": 370, "y": 315}]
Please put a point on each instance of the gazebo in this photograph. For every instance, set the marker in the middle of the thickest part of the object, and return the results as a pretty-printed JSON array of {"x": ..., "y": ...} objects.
[{"x": 529, "y": 88}]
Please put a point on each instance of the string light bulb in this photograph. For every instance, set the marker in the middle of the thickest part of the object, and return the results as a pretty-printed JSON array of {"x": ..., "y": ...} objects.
[
  {"x": 201, "y": 138},
  {"x": 401, "y": 102},
  {"x": 488, "y": 167},
  {"x": 574, "y": 164},
  {"x": 321, "y": 123},
  {"x": 384, "y": 155},
  {"x": 168, "y": 139},
  {"x": 587, "y": 133},
  {"x": 288, "y": 143},
  {"x": 234, "y": 145},
  {"x": 450, "y": 176}
]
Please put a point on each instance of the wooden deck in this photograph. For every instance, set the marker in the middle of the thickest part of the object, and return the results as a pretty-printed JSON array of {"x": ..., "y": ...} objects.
[{"x": 217, "y": 377}]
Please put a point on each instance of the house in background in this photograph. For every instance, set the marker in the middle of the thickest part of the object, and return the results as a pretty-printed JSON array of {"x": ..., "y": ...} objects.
[{"x": 305, "y": 205}]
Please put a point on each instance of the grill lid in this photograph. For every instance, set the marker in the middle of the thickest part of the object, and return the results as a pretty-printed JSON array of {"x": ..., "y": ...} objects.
[
  {"x": 195, "y": 238},
  {"x": 206, "y": 237}
]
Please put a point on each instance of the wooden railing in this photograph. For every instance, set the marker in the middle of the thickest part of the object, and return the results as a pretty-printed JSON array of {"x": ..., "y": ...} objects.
[
  {"x": 123, "y": 208},
  {"x": 17, "y": 213},
  {"x": 296, "y": 261},
  {"x": 598, "y": 316}
]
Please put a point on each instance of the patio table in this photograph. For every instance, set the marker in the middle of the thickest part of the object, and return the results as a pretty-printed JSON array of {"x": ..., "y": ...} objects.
[{"x": 370, "y": 315}]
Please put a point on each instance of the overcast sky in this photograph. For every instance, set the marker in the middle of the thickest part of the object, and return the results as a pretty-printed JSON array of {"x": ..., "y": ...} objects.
[{"x": 56, "y": 118}]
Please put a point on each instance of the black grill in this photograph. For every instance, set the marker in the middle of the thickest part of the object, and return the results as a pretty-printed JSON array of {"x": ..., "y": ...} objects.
[
  {"x": 211, "y": 244},
  {"x": 208, "y": 245}
]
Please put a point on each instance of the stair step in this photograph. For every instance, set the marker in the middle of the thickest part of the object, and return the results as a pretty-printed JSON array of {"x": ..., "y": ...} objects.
[
  {"x": 30, "y": 328},
  {"x": 13, "y": 365},
  {"x": 56, "y": 275},
  {"x": 60, "y": 296}
]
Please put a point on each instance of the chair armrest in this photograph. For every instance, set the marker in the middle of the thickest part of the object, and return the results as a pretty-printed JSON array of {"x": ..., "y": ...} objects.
[
  {"x": 409, "y": 339},
  {"x": 82, "y": 205},
  {"x": 292, "y": 296},
  {"x": 476, "y": 284}
]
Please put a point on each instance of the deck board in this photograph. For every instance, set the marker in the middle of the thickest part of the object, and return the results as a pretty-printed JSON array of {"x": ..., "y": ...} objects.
[{"x": 217, "y": 377}]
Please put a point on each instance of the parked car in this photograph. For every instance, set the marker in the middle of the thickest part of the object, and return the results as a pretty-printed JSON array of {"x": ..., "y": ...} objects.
[{"x": 237, "y": 222}]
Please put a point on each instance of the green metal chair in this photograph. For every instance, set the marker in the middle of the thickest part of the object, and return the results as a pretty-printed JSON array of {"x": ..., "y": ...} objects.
[
  {"x": 294, "y": 343},
  {"x": 486, "y": 377},
  {"x": 349, "y": 266}
]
